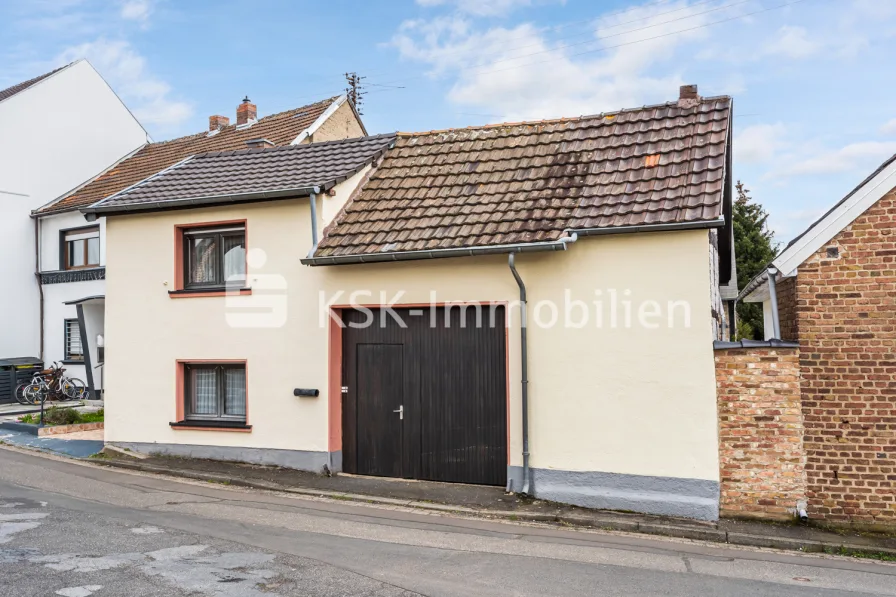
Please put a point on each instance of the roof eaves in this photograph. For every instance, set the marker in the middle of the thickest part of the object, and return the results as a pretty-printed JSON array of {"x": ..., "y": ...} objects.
[
  {"x": 554, "y": 245},
  {"x": 666, "y": 227},
  {"x": 119, "y": 209}
]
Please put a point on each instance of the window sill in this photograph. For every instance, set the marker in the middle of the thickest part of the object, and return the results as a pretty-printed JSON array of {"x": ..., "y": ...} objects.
[
  {"x": 208, "y": 292},
  {"x": 72, "y": 362},
  {"x": 212, "y": 426}
]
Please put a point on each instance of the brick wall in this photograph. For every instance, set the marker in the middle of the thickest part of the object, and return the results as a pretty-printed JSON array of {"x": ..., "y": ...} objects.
[
  {"x": 846, "y": 312},
  {"x": 787, "y": 315},
  {"x": 761, "y": 454}
]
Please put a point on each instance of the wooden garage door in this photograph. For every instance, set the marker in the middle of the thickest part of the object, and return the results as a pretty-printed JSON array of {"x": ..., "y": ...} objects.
[{"x": 429, "y": 400}]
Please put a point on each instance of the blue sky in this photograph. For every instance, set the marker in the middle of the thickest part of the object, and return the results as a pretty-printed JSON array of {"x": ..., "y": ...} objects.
[{"x": 813, "y": 80}]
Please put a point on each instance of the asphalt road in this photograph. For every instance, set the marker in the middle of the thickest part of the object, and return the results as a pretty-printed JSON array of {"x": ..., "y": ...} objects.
[{"x": 74, "y": 530}]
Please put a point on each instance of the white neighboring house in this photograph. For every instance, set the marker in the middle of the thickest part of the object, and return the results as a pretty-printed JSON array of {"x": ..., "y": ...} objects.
[
  {"x": 57, "y": 131},
  {"x": 73, "y": 250}
]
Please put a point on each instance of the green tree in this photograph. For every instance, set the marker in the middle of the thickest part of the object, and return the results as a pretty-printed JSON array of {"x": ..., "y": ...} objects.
[{"x": 755, "y": 248}]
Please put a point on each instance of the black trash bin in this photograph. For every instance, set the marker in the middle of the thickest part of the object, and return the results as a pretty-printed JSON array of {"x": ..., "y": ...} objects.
[{"x": 14, "y": 372}]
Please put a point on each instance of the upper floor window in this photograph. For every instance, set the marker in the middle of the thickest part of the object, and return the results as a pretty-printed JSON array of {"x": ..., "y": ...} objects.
[
  {"x": 81, "y": 248},
  {"x": 214, "y": 257}
]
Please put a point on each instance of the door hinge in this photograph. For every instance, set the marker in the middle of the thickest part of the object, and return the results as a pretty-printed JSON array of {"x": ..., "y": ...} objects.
[{"x": 345, "y": 389}]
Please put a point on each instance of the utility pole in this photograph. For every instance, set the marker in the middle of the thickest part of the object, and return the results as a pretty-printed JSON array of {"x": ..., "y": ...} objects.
[{"x": 354, "y": 91}]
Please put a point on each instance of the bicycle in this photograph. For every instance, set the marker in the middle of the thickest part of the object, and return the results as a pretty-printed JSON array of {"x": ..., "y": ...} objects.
[{"x": 50, "y": 384}]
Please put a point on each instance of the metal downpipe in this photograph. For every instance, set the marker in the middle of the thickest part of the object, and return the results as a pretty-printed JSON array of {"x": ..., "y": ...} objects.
[
  {"x": 313, "y": 202},
  {"x": 773, "y": 297},
  {"x": 524, "y": 357}
]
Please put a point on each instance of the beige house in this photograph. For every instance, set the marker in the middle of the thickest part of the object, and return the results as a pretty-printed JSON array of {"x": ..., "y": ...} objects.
[
  {"x": 530, "y": 305},
  {"x": 72, "y": 258}
]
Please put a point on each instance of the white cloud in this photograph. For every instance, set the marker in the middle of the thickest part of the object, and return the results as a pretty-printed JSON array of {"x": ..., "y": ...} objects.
[
  {"x": 792, "y": 42},
  {"x": 759, "y": 143},
  {"x": 889, "y": 128},
  {"x": 127, "y": 73},
  {"x": 856, "y": 157},
  {"x": 479, "y": 7},
  {"x": 519, "y": 73},
  {"x": 136, "y": 10}
]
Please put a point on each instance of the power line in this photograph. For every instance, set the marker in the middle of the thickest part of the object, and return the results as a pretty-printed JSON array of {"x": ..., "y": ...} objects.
[
  {"x": 390, "y": 84},
  {"x": 637, "y": 41},
  {"x": 590, "y": 41},
  {"x": 604, "y": 16}
]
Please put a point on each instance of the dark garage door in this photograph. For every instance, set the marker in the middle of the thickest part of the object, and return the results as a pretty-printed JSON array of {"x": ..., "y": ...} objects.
[{"x": 429, "y": 400}]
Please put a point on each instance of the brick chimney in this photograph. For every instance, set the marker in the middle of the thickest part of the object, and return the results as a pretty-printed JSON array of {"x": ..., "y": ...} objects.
[
  {"x": 246, "y": 112},
  {"x": 688, "y": 96},
  {"x": 216, "y": 123}
]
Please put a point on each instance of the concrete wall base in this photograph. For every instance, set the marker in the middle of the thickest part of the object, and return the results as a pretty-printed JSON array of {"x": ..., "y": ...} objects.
[
  {"x": 298, "y": 459},
  {"x": 667, "y": 496}
]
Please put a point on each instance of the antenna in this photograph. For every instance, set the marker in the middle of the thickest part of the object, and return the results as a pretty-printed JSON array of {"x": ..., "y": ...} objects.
[{"x": 354, "y": 91}]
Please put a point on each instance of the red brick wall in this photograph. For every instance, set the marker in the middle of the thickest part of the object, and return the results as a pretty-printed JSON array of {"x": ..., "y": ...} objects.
[
  {"x": 761, "y": 454},
  {"x": 846, "y": 311},
  {"x": 787, "y": 308}
]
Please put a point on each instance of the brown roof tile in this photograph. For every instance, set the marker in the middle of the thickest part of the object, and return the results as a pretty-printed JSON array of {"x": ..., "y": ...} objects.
[
  {"x": 280, "y": 129},
  {"x": 529, "y": 182}
]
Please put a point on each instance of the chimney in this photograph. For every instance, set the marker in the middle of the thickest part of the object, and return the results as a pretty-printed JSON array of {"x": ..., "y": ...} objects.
[
  {"x": 216, "y": 123},
  {"x": 259, "y": 143},
  {"x": 688, "y": 96},
  {"x": 246, "y": 112}
]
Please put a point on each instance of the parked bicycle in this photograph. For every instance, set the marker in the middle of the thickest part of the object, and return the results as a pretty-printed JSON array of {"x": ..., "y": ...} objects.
[{"x": 51, "y": 384}]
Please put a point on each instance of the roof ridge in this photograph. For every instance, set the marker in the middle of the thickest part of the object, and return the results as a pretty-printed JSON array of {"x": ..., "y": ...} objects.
[
  {"x": 553, "y": 120},
  {"x": 233, "y": 126}
]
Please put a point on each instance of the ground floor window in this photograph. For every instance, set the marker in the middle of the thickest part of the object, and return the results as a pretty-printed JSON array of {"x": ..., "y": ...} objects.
[
  {"x": 73, "y": 351},
  {"x": 215, "y": 391}
]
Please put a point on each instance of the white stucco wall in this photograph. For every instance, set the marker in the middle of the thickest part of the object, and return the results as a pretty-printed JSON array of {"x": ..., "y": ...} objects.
[
  {"x": 54, "y": 136},
  {"x": 612, "y": 399},
  {"x": 52, "y": 225}
]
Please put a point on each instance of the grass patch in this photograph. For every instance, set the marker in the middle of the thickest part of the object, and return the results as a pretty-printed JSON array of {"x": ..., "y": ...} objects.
[
  {"x": 64, "y": 416},
  {"x": 860, "y": 553}
]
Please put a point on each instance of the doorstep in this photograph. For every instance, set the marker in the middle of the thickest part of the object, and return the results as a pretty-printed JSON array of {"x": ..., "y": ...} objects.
[{"x": 492, "y": 502}]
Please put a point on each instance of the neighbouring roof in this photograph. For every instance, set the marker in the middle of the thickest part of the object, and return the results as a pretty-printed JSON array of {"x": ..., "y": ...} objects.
[
  {"x": 280, "y": 129},
  {"x": 248, "y": 174},
  {"x": 821, "y": 231},
  {"x": 532, "y": 182},
  {"x": 18, "y": 88}
]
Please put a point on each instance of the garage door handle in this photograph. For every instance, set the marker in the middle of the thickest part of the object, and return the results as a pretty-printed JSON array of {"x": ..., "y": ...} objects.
[{"x": 400, "y": 411}]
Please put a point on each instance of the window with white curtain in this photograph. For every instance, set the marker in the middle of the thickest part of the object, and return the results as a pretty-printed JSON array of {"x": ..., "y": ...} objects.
[
  {"x": 215, "y": 257},
  {"x": 215, "y": 391}
]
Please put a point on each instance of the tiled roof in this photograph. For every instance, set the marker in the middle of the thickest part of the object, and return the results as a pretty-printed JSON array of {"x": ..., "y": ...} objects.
[
  {"x": 280, "y": 129},
  {"x": 529, "y": 182},
  {"x": 11, "y": 91},
  {"x": 249, "y": 174}
]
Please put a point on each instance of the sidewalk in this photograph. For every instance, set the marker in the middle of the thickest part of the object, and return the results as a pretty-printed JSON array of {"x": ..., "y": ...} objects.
[
  {"x": 77, "y": 445},
  {"x": 492, "y": 502}
]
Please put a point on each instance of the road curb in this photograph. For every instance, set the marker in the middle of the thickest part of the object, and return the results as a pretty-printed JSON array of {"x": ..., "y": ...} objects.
[{"x": 596, "y": 521}]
